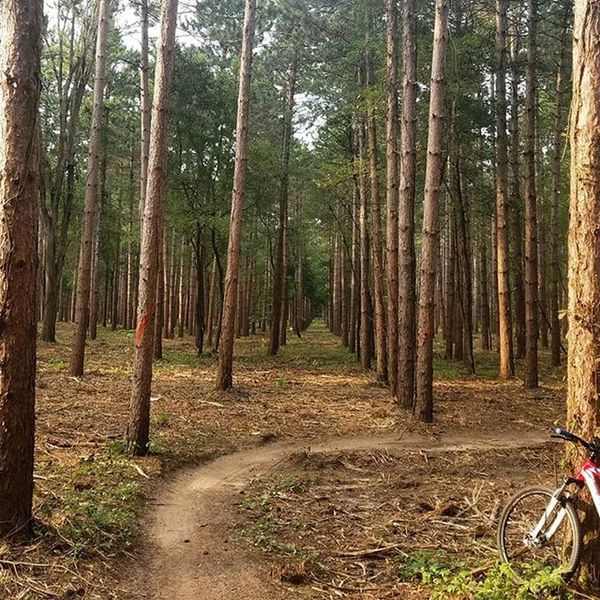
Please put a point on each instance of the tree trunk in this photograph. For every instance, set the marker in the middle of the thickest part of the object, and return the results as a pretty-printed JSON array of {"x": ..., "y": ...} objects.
[
  {"x": 365, "y": 251},
  {"x": 584, "y": 261},
  {"x": 554, "y": 234},
  {"x": 354, "y": 327},
  {"x": 336, "y": 292},
  {"x": 212, "y": 300},
  {"x": 138, "y": 429},
  {"x": 507, "y": 366},
  {"x": 174, "y": 287},
  {"x": 465, "y": 260},
  {"x": 542, "y": 271},
  {"x": 406, "y": 212},
  {"x": 516, "y": 201},
  {"x": 48, "y": 332},
  {"x": 219, "y": 310},
  {"x": 166, "y": 287},
  {"x": 494, "y": 283},
  {"x": 225, "y": 369},
  {"x": 160, "y": 294},
  {"x": 433, "y": 181},
  {"x": 378, "y": 266},
  {"x": 95, "y": 270},
  {"x": 182, "y": 290},
  {"x": 531, "y": 267},
  {"x": 392, "y": 192},
  {"x": 144, "y": 109},
  {"x": 279, "y": 311},
  {"x": 129, "y": 273},
  {"x": 200, "y": 306},
  {"x": 285, "y": 285},
  {"x": 82, "y": 306},
  {"x": 20, "y": 46},
  {"x": 450, "y": 282}
]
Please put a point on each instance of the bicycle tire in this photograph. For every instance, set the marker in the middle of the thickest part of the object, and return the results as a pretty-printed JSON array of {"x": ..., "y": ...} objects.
[{"x": 571, "y": 565}]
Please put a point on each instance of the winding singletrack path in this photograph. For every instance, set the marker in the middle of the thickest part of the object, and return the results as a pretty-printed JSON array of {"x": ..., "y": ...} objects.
[{"x": 189, "y": 554}]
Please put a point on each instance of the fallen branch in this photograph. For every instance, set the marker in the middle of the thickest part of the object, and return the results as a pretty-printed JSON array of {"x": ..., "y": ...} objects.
[
  {"x": 140, "y": 470},
  {"x": 16, "y": 563},
  {"x": 370, "y": 552}
]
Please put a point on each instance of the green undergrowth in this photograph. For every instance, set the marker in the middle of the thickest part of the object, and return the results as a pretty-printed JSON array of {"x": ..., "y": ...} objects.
[
  {"x": 265, "y": 522},
  {"x": 450, "y": 578},
  {"x": 487, "y": 365},
  {"x": 95, "y": 510}
]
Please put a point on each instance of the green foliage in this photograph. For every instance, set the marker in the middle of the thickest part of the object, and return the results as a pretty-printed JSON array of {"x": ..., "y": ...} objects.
[
  {"x": 117, "y": 446},
  {"x": 97, "y": 510},
  {"x": 265, "y": 525},
  {"x": 158, "y": 445},
  {"x": 56, "y": 364},
  {"x": 161, "y": 419},
  {"x": 450, "y": 578}
]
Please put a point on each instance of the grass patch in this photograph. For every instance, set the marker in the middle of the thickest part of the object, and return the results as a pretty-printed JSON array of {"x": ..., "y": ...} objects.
[
  {"x": 56, "y": 364},
  {"x": 262, "y": 503},
  {"x": 161, "y": 419},
  {"x": 158, "y": 444},
  {"x": 96, "y": 512}
]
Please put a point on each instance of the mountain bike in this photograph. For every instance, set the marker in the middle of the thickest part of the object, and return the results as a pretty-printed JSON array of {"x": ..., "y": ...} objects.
[{"x": 540, "y": 525}]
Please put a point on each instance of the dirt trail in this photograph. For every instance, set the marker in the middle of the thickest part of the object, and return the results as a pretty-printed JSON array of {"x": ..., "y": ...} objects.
[{"x": 190, "y": 554}]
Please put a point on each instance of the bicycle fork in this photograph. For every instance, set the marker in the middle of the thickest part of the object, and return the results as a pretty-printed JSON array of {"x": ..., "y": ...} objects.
[{"x": 541, "y": 534}]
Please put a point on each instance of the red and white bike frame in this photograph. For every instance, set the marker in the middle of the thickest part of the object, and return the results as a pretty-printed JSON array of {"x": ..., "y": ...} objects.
[{"x": 588, "y": 475}]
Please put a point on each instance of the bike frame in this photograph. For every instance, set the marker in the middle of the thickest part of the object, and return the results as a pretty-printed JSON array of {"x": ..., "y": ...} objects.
[{"x": 588, "y": 475}]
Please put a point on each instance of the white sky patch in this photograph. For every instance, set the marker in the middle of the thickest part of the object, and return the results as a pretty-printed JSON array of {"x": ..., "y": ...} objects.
[
  {"x": 307, "y": 123},
  {"x": 128, "y": 23}
]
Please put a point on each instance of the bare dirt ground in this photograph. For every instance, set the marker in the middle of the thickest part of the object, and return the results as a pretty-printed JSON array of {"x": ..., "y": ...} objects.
[
  {"x": 192, "y": 534},
  {"x": 353, "y": 524},
  {"x": 90, "y": 497}
]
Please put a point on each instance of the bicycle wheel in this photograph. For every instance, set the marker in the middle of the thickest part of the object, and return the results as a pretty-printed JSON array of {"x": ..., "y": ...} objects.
[{"x": 522, "y": 515}]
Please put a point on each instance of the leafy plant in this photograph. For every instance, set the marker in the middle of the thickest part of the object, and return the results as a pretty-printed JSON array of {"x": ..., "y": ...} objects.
[{"x": 449, "y": 578}]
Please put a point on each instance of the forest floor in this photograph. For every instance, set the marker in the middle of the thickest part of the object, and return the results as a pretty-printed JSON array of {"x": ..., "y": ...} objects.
[{"x": 307, "y": 523}]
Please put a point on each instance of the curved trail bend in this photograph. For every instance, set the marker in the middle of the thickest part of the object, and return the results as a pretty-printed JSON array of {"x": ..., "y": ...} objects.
[{"x": 189, "y": 554}]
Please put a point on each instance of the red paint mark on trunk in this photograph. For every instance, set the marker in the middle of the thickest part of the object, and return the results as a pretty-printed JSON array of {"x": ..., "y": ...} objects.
[{"x": 143, "y": 322}]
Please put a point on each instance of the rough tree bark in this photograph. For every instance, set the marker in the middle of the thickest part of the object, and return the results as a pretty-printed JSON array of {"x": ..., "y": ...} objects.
[
  {"x": 392, "y": 192},
  {"x": 406, "y": 212},
  {"x": 354, "y": 328},
  {"x": 366, "y": 325},
  {"x": 199, "y": 307},
  {"x": 451, "y": 256},
  {"x": 433, "y": 181},
  {"x": 82, "y": 302},
  {"x": 144, "y": 109},
  {"x": 279, "y": 312},
  {"x": 516, "y": 209},
  {"x": 226, "y": 337},
  {"x": 556, "y": 159},
  {"x": 160, "y": 294},
  {"x": 486, "y": 342},
  {"x": 378, "y": 266},
  {"x": 584, "y": 259},
  {"x": 138, "y": 429},
  {"x": 531, "y": 250},
  {"x": 20, "y": 44},
  {"x": 507, "y": 366},
  {"x": 466, "y": 297}
]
